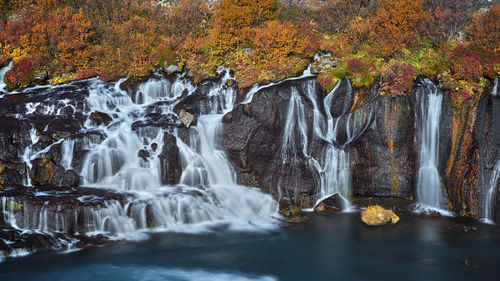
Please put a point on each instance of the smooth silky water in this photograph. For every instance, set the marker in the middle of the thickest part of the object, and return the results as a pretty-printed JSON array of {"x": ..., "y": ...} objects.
[{"x": 331, "y": 247}]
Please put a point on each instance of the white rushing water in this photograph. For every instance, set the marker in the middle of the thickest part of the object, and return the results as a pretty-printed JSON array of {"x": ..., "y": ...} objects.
[
  {"x": 492, "y": 192},
  {"x": 331, "y": 167},
  {"x": 428, "y": 181},
  {"x": 206, "y": 197}
]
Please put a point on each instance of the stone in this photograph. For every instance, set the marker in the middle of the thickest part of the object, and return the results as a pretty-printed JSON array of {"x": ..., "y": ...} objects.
[
  {"x": 376, "y": 215},
  {"x": 186, "y": 118},
  {"x": 42, "y": 171},
  {"x": 100, "y": 118},
  {"x": 306, "y": 201},
  {"x": 331, "y": 203},
  {"x": 290, "y": 211},
  {"x": 143, "y": 153},
  {"x": 172, "y": 69},
  {"x": 253, "y": 136},
  {"x": 323, "y": 64},
  {"x": 171, "y": 169}
]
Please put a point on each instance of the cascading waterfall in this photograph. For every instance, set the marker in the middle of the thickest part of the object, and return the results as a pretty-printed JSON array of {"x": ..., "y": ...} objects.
[
  {"x": 490, "y": 196},
  {"x": 428, "y": 182},
  {"x": 331, "y": 166},
  {"x": 27, "y": 155},
  {"x": 206, "y": 196}
]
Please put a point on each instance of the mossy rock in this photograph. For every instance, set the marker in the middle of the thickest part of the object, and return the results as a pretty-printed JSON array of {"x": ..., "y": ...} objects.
[{"x": 376, "y": 215}]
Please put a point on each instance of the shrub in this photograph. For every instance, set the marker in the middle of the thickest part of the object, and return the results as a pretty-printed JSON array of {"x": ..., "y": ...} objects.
[
  {"x": 333, "y": 16},
  {"x": 21, "y": 74},
  {"x": 485, "y": 29},
  {"x": 398, "y": 77},
  {"x": 232, "y": 15},
  {"x": 397, "y": 24}
]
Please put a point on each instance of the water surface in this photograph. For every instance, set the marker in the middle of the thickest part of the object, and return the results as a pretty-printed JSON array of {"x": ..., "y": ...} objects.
[{"x": 330, "y": 247}]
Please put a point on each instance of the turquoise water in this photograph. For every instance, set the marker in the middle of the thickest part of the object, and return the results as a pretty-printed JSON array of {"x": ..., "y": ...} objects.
[{"x": 330, "y": 247}]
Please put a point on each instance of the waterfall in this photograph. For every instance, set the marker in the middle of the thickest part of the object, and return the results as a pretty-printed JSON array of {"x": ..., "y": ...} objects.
[
  {"x": 492, "y": 192},
  {"x": 27, "y": 155},
  {"x": 301, "y": 135},
  {"x": 428, "y": 182},
  {"x": 123, "y": 168}
]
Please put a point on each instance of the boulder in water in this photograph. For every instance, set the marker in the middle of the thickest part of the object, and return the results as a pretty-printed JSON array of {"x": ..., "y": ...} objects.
[
  {"x": 171, "y": 169},
  {"x": 100, "y": 118},
  {"x": 186, "y": 118},
  {"x": 290, "y": 211},
  {"x": 376, "y": 215},
  {"x": 331, "y": 203}
]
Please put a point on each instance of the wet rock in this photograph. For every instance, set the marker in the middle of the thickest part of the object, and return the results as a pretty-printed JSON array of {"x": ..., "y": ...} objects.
[
  {"x": 331, "y": 203},
  {"x": 14, "y": 137},
  {"x": 376, "y": 215},
  {"x": 154, "y": 146},
  {"x": 342, "y": 98},
  {"x": 13, "y": 174},
  {"x": 383, "y": 163},
  {"x": 487, "y": 135},
  {"x": 60, "y": 128},
  {"x": 186, "y": 118},
  {"x": 305, "y": 201},
  {"x": 290, "y": 211},
  {"x": 42, "y": 171},
  {"x": 191, "y": 103},
  {"x": 253, "y": 136},
  {"x": 65, "y": 178},
  {"x": 100, "y": 118},
  {"x": 171, "y": 169},
  {"x": 143, "y": 153}
]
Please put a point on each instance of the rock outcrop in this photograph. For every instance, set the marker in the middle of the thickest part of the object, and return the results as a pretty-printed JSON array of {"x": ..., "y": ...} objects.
[{"x": 376, "y": 215}]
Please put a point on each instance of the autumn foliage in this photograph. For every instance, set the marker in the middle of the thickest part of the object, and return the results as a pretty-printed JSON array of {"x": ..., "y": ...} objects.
[{"x": 453, "y": 42}]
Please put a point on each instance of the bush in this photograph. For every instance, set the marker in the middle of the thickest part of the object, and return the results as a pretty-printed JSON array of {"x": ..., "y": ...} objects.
[
  {"x": 21, "y": 74},
  {"x": 397, "y": 25},
  {"x": 232, "y": 15},
  {"x": 485, "y": 29}
]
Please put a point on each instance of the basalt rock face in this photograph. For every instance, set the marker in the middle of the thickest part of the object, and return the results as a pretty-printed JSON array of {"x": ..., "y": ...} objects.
[
  {"x": 169, "y": 160},
  {"x": 469, "y": 141},
  {"x": 253, "y": 135},
  {"x": 43, "y": 128},
  {"x": 383, "y": 162},
  {"x": 487, "y": 134}
]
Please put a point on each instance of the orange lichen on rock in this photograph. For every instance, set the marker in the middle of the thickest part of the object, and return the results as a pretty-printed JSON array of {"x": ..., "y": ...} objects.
[{"x": 376, "y": 215}]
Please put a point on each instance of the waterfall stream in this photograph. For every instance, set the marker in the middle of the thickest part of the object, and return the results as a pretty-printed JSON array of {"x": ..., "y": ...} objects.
[
  {"x": 430, "y": 100},
  {"x": 302, "y": 136},
  {"x": 492, "y": 192},
  {"x": 124, "y": 157}
]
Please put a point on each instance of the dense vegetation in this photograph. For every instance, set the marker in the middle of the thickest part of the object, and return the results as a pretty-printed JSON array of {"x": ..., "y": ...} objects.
[{"x": 454, "y": 42}]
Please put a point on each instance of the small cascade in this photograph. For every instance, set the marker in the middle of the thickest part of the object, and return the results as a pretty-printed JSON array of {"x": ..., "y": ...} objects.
[
  {"x": 28, "y": 155},
  {"x": 491, "y": 195},
  {"x": 429, "y": 112},
  {"x": 122, "y": 169},
  {"x": 67, "y": 148},
  {"x": 302, "y": 138}
]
